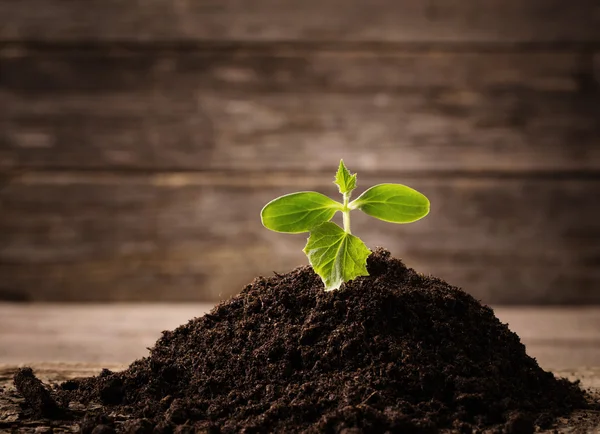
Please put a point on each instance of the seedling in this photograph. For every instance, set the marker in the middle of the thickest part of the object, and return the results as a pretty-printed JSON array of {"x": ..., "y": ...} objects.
[{"x": 335, "y": 254}]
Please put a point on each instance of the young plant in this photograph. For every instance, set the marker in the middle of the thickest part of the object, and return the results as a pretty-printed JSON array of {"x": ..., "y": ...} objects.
[{"x": 335, "y": 254}]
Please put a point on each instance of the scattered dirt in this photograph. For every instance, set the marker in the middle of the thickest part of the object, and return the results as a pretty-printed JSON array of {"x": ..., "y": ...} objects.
[
  {"x": 394, "y": 352},
  {"x": 37, "y": 396}
]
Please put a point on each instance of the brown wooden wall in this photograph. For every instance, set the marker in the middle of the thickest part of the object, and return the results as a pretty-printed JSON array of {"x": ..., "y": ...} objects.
[{"x": 138, "y": 143}]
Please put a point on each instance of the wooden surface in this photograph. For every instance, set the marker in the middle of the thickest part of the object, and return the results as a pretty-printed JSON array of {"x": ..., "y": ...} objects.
[
  {"x": 559, "y": 338},
  {"x": 155, "y": 237},
  {"x": 66, "y": 341},
  {"x": 268, "y": 20},
  {"x": 139, "y": 141},
  {"x": 277, "y": 108}
]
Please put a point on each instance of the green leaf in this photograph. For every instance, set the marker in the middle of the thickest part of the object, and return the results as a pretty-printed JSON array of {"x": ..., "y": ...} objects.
[
  {"x": 393, "y": 203},
  {"x": 344, "y": 179},
  {"x": 298, "y": 212},
  {"x": 335, "y": 255}
]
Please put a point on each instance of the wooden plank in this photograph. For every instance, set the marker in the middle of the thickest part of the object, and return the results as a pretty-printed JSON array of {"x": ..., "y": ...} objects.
[
  {"x": 198, "y": 236},
  {"x": 88, "y": 333},
  {"x": 559, "y": 338},
  {"x": 295, "y": 109},
  {"x": 309, "y": 20}
]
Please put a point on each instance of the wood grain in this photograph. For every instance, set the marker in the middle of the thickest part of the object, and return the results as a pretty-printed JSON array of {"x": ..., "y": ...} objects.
[
  {"x": 294, "y": 109},
  {"x": 87, "y": 333},
  {"x": 198, "y": 236},
  {"x": 309, "y": 20},
  {"x": 138, "y": 140},
  {"x": 559, "y": 338}
]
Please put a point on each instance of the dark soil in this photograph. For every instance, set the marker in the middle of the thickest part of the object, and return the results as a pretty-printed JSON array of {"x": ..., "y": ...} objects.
[
  {"x": 37, "y": 396},
  {"x": 394, "y": 352}
]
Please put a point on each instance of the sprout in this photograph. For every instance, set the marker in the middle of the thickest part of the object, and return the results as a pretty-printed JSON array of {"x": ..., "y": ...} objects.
[{"x": 335, "y": 254}]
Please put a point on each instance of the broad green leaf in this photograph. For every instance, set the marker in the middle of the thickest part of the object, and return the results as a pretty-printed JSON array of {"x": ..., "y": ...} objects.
[
  {"x": 298, "y": 212},
  {"x": 393, "y": 203},
  {"x": 344, "y": 179},
  {"x": 335, "y": 255}
]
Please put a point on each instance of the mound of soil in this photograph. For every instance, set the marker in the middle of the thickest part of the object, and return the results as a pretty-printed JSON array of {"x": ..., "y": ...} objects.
[{"x": 394, "y": 352}]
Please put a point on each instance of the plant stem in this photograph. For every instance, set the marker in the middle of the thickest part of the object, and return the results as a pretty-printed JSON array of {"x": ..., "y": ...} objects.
[{"x": 346, "y": 213}]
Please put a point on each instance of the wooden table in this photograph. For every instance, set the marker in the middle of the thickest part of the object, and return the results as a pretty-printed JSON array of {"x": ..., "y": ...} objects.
[{"x": 62, "y": 341}]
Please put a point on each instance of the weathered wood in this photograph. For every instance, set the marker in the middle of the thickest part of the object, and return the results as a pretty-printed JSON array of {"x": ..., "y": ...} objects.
[
  {"x": 90, "y": 333},
  {"x": 299, "y": 110},
  {"x": 268, "y": 20},
  {"x": 558, "y": 337},
  {"x": 198, "y": 236}
]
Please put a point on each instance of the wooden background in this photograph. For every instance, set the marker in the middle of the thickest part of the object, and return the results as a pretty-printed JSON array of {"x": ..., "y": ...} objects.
[{"x": 139, "y": 140}]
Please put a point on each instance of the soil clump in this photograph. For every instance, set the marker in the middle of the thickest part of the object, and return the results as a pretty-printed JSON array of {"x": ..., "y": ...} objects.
[{"x": 395, "y": 352}]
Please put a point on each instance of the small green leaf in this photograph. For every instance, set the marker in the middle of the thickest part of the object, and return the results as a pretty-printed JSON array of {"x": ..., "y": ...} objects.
[
  {"x": 335, "y": 255},
  {"x": 344, "y": 179},
  {"x": 393, "y": 203},
  {"x": 298, "y": 212}
]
